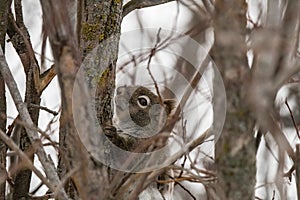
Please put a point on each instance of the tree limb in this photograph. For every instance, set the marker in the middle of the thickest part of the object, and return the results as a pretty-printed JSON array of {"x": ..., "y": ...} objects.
[
  {"x": 297, "y": 167},
  {"x": 138, "y": 4},
  {"x": 33, "y": 136},
  {"x": 3, "y": 27}
]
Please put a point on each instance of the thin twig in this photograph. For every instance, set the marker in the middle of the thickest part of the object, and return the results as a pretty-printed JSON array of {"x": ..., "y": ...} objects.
[
  {"x": 273, "y": 198},
  {"x": 288, "y": 174},
  {"x": 183, "y": 187},
  {"x": 271, "y": 151},
  {"x": 37, "y": 188},
  {"x": 18, "y": 121},
  {"x": 44, "y": 108},
  {"x": 173, "y": 158},
  {"x": 293, "y": 119},
  {"x": 182, "y": 165},
  {"x": 152, "y": 53}
]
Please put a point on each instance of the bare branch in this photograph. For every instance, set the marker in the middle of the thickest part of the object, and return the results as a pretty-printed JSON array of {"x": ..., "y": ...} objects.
[
  {"x": 152, "y": 53},
  {"x": 289, "y": 38},
  {"x": 46, "y": 78},
  {"x": 209, "y": 6},
  {"x": 37, "y": 188},
  {"x": 138, "y": 4},
  {"x": 297, "y": 166},
  {"x": 293, "y": 119},
  {"x": 269, "y": 71},
  {"x": 187, "y": 190},
  {"x": 9, "y": 142},
  {"x": 28, "y": 61},
  {"x": 3, "y": 27},
  {"x": 268, "y": 123},
  {"x": 18, "y": 122},
  {"x": 33, "y": 136},
  {"x": 44, "y": 108}
]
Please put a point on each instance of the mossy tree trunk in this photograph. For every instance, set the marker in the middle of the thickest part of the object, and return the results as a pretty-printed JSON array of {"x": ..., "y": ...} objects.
[{"x": 98, "y": 25}]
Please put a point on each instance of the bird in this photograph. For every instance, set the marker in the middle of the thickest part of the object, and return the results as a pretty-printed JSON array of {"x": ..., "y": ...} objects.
[{"x": 139, "y": 115}]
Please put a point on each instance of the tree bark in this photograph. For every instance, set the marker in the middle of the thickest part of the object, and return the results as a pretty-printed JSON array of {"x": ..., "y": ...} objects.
[
  {"x": 97, "y": 21},
  {"x": 3, "y": 147},
  {"x": 4, "y": 5},
  {"x": 235, "y": 150}
]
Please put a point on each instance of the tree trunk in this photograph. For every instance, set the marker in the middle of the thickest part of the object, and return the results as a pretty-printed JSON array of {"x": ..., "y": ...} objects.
[
  {"x": 235, "y": 150},
  {"x": 4, "y": 5},
  {"x": 97, "y": 22}
]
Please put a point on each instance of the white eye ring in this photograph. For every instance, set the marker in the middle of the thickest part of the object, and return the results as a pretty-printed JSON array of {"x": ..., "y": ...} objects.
[{"x": 143, "y": 101}]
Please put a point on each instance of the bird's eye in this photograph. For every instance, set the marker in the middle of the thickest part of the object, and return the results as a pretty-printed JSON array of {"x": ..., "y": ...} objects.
[{"x": 143, "y": 101}]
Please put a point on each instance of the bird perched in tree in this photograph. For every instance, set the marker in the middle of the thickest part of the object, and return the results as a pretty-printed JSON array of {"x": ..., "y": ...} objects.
[{"x": 139, "y": 115}]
